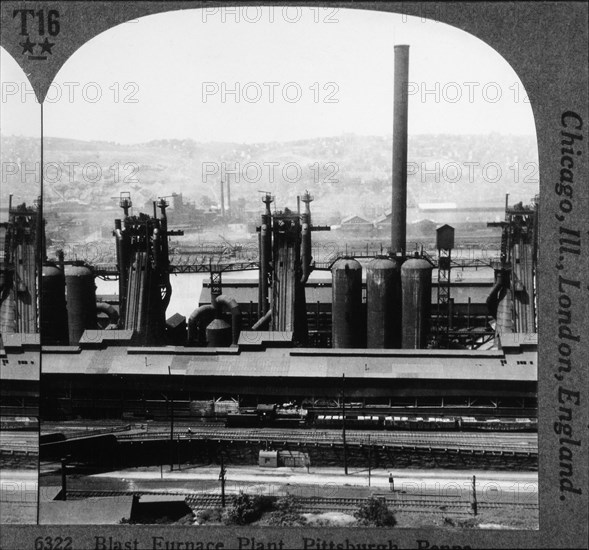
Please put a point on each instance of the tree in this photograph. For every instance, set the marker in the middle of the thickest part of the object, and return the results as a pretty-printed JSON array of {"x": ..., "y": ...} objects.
[{"x": 375, "y": 512}]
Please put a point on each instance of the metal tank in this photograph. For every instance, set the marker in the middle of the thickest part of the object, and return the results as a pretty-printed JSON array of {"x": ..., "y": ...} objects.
[
  {"x": 54, "y": 318},
  {"x": 346, "y": 307},
  {"x": 383, "y": 304},
  {"x": 81, "y": 301},
  {"x": 218, "y": 334},
  {"x": 416, "y": 281}
]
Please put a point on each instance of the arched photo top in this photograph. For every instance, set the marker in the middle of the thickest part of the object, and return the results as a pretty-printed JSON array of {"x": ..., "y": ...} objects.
[
  {"x": 266, "y": 76},
  {"x": 20, "y": 133},
  {"x": 277, "y": 74}
]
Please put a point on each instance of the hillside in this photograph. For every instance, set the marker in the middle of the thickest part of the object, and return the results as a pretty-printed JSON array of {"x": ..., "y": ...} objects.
[{"x": 346, "y": 174}]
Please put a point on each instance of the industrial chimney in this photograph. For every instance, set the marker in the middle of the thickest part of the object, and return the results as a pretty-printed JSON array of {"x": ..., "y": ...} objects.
[
  {"x": 399, "y": 203},
  {"x": 222, "y": 200}
]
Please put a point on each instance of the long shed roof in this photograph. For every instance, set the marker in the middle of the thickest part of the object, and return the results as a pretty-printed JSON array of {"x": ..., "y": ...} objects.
[{"x": 300, "y": 362}]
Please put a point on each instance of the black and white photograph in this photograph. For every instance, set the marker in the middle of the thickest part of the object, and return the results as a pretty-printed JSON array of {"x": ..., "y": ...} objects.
[
  {"x": 20, "y": 276},
  {"x": 279, "y": 276}
]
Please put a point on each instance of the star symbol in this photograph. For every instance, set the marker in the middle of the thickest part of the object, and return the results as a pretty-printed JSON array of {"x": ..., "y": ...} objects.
[
  {"x": 46, "y": 46},
  {"x": 27, "y": 46}
]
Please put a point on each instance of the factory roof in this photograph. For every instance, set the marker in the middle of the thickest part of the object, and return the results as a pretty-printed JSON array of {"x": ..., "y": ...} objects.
[
  {"x": 514, "y": 339},
  {"x": 355, "y": 220},
  {"x": 20, "y": 339},
  {"x": 24, "y": 366},
  {"x": 299, "y": 362},
  {"x": 257, "y": 338},
  {"x": 19, "y": 357},
  {"x": 100, "y": 336},
  {"x": 92, "y": 511}
]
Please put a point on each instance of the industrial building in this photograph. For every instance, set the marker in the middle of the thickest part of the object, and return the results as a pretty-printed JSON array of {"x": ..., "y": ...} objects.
[
  {"x": 19, "y": 318},
  {"x": 380, "y": 339},
  {"x": 401, "y": 340}
]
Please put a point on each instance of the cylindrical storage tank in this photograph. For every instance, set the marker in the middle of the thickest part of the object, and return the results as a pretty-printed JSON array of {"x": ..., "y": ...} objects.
[
  {"x": 81, "y": 301},
  {"x": 219, "y": 334},
  {"x": 346, "y": 304},
  {"x": 416, "y": 282},
  {"x": 54, "y": 318},
  {"x": 383, "y": 304}
]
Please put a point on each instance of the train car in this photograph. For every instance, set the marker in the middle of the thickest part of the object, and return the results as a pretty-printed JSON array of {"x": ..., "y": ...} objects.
[
  {"x": 271, "y": 416},
  {"x": 267, "y": 416}
]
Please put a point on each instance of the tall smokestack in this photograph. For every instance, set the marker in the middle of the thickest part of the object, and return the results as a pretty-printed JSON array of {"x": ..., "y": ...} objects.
[
  {"x": 222, "y": 200},
  {"x": 399, "y": 203},
  {"x": 228, "y": 196}
]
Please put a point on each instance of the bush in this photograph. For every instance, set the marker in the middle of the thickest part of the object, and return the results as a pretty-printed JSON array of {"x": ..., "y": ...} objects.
[
  {"x": 375, "y": 512},
  {"x": 188, "y": 519},
  {"x": 246, "y": 509},
  {"x": 286, "y": 513},
  {"x": 210, "y": 515}
]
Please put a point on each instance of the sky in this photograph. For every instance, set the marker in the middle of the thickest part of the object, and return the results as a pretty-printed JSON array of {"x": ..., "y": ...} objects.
[{"x": 295, "y": 73}]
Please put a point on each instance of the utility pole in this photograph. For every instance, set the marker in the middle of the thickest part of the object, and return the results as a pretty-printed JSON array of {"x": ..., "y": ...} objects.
[
  {"x": 222, "y": 480},
  {"x": 171, "y": 402},
  {"x": 344, "y": 424},
  {"x": 63, "y": 478},
  {"x": 369, "y": 459},
  {"x": 170, "y": 411},
  {"x": 473, "y": 499}
]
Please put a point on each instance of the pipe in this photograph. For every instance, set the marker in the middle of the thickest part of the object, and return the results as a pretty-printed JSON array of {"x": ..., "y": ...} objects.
[
  {"x": 167, "y": 295},
  {"x": 261, "y": 273},
  {"x": 195, "y": 318},
  {"x": 164, "y": 249},
  {"x": 122, "y": 267},
  {"x": 233, "y": 307},
  {"x": 263, "y": 321},
  {"x": 156, "y": 246},
  {"x": 140, "y": 290},
  {"x": 306, "y": 257},
  {"x": 113, "y": 314},
  {"x": 505, "y": 321},
  {"x": 161, "y": 254},
  {"x": 265, "y": 257},
  {"x": 493, "y": 298},
  {"x": 399, "y": 175}
]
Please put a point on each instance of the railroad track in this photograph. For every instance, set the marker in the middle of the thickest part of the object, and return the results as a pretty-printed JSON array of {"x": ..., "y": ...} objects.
[
  {"x": 19, "y": 443},
  {"x": 424, "y": 505},
  {"x": 476, "y": 442},
  {"x": 22, "y": 450}
]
